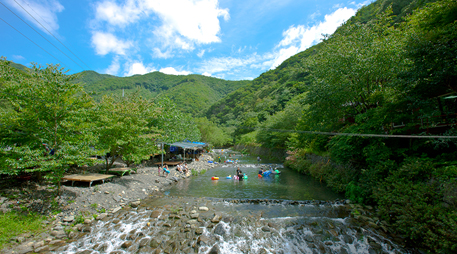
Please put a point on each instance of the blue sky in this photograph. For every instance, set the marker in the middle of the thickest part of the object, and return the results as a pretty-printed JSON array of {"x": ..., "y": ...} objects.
[{"x": 228, "y": 39}]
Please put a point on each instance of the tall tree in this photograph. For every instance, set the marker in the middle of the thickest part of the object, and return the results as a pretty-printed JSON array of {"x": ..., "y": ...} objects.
[
  {"x": 124, "y": 130},
  {"x": 48, "y": 128}
]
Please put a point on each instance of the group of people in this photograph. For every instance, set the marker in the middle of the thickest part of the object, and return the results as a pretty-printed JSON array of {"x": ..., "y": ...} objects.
[{"x": 180, "y": 168}]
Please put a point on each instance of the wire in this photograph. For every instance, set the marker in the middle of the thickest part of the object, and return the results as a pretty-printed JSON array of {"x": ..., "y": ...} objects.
[
  {"x": 351, "y": 134},
  {"x": 49, "y": 31},
  {"x": 41, "y": 35},
  {"x": 34, "y": 43}
]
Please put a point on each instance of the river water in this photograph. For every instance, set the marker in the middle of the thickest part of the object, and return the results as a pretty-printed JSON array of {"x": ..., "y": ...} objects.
[{"x": 289, "y": 213}]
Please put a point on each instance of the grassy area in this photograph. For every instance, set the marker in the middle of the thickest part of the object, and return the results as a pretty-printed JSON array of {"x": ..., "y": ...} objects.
[{"x": 13, "y": 224}]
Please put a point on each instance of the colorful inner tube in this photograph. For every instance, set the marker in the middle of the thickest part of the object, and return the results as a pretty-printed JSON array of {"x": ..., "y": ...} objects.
[{"x": 214, "y": 178}]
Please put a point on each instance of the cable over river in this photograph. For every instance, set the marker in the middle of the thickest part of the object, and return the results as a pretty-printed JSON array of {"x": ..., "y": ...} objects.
[{"x": 286, "y": 213}]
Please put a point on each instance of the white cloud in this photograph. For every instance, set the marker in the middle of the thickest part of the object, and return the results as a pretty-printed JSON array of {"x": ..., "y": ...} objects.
[
  {"x": 225, "y": 64},
  {"x": 45, "y": 11},
  {"x": 173, "y": 71},
  {"x": 201, "y": 53},
  {"x": 137, "y": 68},
  {"x": 113, "y": 69},
  {"x": 207, "y": 74},
  {"x": 159, "y": 54},
  {"x": 117, "y": 15},
  {"x": 299, "y": 38},
  {"x": 18, "y": 57},
  {"x": 105, "y": 43}
]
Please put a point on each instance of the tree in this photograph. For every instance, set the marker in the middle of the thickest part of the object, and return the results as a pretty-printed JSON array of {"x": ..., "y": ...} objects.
[
  {"x": 431, "y": 46},
  {"x": 356, "y": 70},
  {"x": 48, "y": 128},
  {"x": 211, "y": 133},
  {"x": 123, "y": 128}
]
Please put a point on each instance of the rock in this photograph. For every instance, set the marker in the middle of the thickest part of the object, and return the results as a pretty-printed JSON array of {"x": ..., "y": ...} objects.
[
  {"x": 24, "y": 249},
  {"x": 126, "y": 244},
  {"x": 219, "y": 230},
  {"x": 87, "y": 221},
  {"x": 192, "y": 222},
  {"x": 199, "y": 231},
  {"x": 135, "y": 204},
  {"x": 194, "y": 215},
  {"x": 117, "y": 209},
  {"x": 59, "y": 234},
  {"x": 42, "y": 249},
  {"x": 101, "y": 216},
  {"x": 215, "y": 250},
  {"x": 266, "y": 229},
  {"x": 69, "y": 219},
  {"x": 156, "y": 213},
  {"x": 38, "y": 244},
  {"x": 217, "y": 217},
  {"x": 106, "y": 192},
  {"x": 203, "y": 208}
]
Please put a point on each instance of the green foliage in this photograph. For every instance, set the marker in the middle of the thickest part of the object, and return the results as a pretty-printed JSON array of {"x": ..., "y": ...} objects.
[
  {"x": 13, "y": 224},
  {"x": 124, "y": 130},
  {"x": 49, "y": 127},
  {"x": 212, "y": 134},
  {"x": 419, "y": 200},
  {"x": 192, "y": 93}
]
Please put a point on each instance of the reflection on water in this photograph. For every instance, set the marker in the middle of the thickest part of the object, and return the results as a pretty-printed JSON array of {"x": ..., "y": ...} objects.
[{"x": 288, "y": 185}]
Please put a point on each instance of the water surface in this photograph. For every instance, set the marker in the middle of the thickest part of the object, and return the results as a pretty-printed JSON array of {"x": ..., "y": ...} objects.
[{"x": 289, "y": 185}]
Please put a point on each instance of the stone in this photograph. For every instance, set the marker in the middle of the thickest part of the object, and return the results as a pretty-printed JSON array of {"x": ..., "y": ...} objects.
[
  {"x": 215, "y": 249},
  {"x": 199, "y": 231},
  {"x": 203, "y": 208},
  {"x": 69, "y": 219},
  {"x": 194, "y": 215},
  {"x": 219, "y": 230},
  {"x": 117, "y": 209},
  {"x": 101, "y": 216},
  {"x": 192, "y": 222},
  {"x": 135, "y": 204},
  {"x": 156, "y": 213},
  {"x": 24, "y": 249},
  {"x": 59, "y": 234},
  {"x": 87, "y": 221},
  {"x": 126, "y": 244},
  {"x": 217, "y": 217},
  {"x": 42, "y": 249},
  {"x": 266, "y": 229}
]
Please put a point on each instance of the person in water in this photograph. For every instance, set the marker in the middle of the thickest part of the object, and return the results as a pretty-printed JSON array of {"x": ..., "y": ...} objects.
[
  {"x": 239, "y": 173},
  {"x": 260, "y": 172}
]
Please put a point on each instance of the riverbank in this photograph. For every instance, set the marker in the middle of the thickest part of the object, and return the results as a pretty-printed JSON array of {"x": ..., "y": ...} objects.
[{"x": 82, "y": 205}]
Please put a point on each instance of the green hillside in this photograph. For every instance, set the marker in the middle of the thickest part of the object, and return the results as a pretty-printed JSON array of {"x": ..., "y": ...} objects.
[
  {"x": 192, "y": 93},
  {"x": 372, "y": 112}
]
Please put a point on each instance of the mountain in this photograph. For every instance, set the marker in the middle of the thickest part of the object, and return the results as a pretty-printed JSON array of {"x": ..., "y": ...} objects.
[{"x": 192, "y": 93}]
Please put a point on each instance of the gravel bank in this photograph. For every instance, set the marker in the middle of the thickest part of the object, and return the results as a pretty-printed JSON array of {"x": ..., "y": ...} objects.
[{"x": 81, "y": 203}]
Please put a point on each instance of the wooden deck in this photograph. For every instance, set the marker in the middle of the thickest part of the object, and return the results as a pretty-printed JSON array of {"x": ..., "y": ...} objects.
[{"x": 90, "y": 177}]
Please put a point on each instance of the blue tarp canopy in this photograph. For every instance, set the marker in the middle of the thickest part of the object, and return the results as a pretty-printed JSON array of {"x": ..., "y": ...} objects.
[{"x": 189, "y": 145}]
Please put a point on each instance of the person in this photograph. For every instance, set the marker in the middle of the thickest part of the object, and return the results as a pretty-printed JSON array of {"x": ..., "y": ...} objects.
[
  {"x": 260, "y": 172},
  {"x": 185, "y": 168},
  {"x": 159, "y": 170},
  {"x": 178, "y": 168},
  {"x": 258, "y": 158},
  {"x": 239, "y": 173},
  {"x": 165, "y": 170}
]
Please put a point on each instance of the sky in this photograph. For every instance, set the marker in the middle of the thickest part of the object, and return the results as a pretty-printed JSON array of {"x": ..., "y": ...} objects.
[{"x": 227, "y": 39}]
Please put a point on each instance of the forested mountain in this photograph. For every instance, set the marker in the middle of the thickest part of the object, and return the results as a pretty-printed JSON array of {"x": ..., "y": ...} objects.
[
  {"x": 359, "y": 110},
  {"x": 192, "y": 93}
]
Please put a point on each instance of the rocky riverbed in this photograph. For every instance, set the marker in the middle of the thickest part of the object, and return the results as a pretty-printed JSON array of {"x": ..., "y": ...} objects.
[{"x": 82, "y": 205}]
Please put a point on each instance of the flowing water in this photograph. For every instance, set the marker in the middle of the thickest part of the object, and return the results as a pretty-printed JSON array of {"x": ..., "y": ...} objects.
[{"x": 289, "y": 213}]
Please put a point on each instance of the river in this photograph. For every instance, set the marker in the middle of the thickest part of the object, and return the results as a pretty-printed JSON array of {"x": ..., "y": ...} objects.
[{"x": 287, "y": 213}]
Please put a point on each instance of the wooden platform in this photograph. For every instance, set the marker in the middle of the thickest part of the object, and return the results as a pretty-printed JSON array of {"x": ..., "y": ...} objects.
[
  {"x": 169, "y": 163},
  {"x": 90, "y": 177}
]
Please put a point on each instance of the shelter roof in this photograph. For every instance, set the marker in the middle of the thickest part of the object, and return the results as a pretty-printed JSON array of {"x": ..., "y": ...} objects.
[{"x": 188, "y": 145}]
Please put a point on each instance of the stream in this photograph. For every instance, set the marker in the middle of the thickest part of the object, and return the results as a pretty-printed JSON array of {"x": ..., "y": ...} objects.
[{"x": 286, "y": 213}]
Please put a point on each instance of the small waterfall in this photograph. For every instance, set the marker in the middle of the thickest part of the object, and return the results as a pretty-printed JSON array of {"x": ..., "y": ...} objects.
[{"x": 203, "y": 225}]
